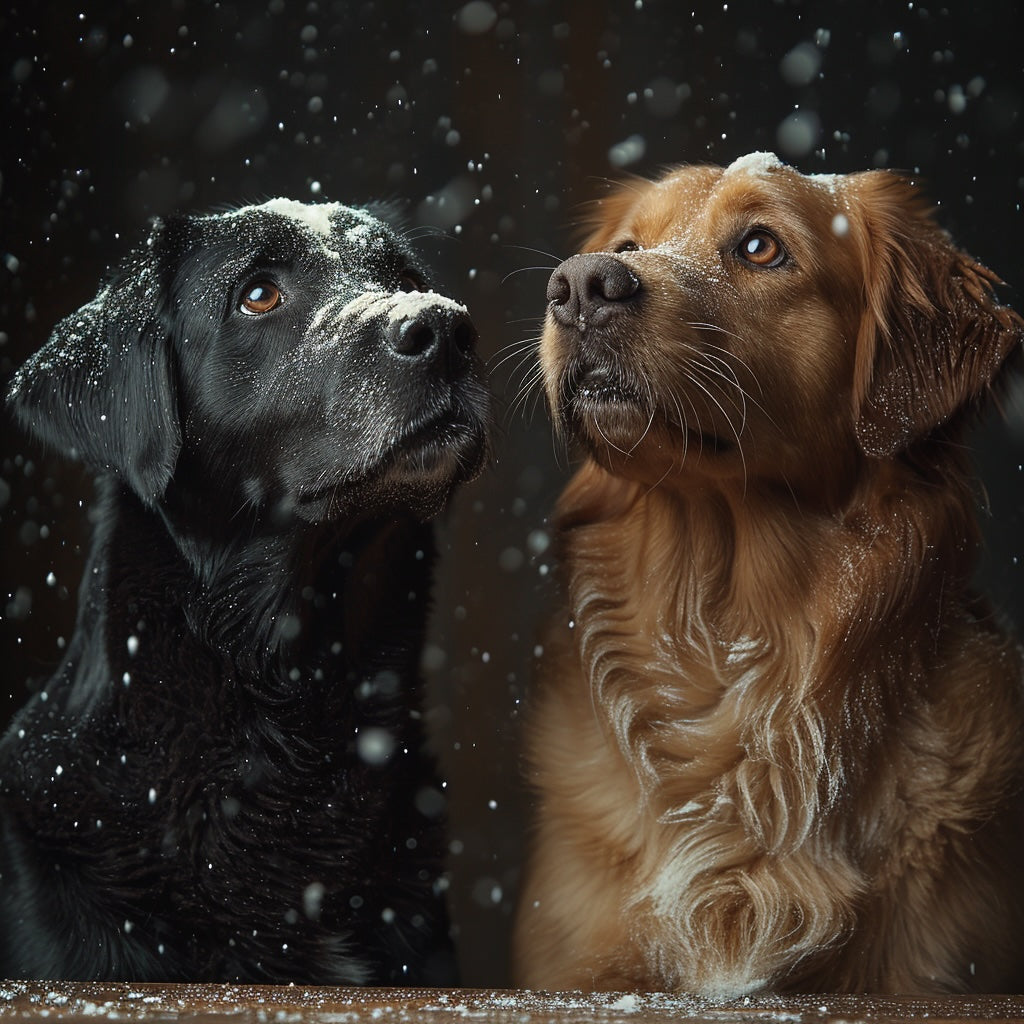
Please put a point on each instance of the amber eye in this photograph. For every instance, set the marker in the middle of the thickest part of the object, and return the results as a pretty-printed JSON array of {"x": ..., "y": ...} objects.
[
  {"x": 412, "y": 282},
  {"x": 628, "y": 246},
  {"x": 260, "y": 297},
  {"x": 761, "y": 248}
]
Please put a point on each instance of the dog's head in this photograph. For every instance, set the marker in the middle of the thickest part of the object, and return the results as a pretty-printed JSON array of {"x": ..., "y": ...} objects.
[
  {"x": 753, "y": 320},
  {"x": 280, "y": 356}
]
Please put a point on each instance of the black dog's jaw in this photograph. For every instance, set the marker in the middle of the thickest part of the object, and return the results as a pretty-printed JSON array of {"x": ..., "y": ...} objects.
[{"x": 225, "y": 779}]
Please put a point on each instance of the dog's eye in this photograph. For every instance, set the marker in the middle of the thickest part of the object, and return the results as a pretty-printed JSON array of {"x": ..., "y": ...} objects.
[
  {"x": 260, "y": 297},
  {"x": 761, "y": 248},
  {"x": 412, "y": 282},
  {"x": 628, "y": 246}
]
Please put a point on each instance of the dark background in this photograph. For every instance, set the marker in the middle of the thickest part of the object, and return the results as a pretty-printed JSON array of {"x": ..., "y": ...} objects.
[{"x": 493, "y": 122}]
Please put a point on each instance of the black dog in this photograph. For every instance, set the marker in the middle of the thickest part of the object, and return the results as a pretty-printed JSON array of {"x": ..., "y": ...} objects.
[{"x": 225, "y": 779}]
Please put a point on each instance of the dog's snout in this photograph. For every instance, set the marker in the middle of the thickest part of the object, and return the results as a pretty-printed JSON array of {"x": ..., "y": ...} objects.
[
  {"x": 589, "y": 287},
  {"x": 438, "y": 332},
  {"x": 559, "y": 289},
  {"x": 413, "y": 337}
]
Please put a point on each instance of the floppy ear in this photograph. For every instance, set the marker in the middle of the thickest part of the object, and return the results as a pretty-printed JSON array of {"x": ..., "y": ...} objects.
[
  {"x": 601, "y": 219},
  {"x": 932, "y": 337},
  {"x": 101, "y": 390}
]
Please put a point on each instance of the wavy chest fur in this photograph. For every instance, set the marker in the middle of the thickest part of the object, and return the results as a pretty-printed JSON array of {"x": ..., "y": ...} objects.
[
  {"x": 771, "y": 745},
  {"x": 710, "y": 709},
  {"x": 709, "y": 700},
  {"x": 756, "y": 734}
]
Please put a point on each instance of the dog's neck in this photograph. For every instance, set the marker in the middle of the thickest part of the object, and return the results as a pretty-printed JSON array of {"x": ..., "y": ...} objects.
[
  {"x": 283, "y": 610},
  {"x": 750, "y": 554},
  {"x": 709, "y": 623},
  {"x": 674, "y": 555}
]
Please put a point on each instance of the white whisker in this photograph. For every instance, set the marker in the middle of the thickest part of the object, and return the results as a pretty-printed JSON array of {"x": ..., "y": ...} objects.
[
  {"x": 654, "y": 408},
  {"x": 521, "y": 270},
  {"x": 725, "y": 352},
  {"x": 512, "y": 350},
  {"x": 529, "y": 386},
  {"x": 734, "y": 394},
  {"x": 607, "y": 440},
  {"x": 423, "y": 231},
  {"x": 732, "y": 427},
  {"x": 538, "y": 252}
]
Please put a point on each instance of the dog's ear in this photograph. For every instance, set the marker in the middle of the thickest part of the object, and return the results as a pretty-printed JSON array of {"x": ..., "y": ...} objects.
[
  {"x": 932, "y": 338},
  {"x": 102, "y": 388},
  {"x": 601, "y": 219}
]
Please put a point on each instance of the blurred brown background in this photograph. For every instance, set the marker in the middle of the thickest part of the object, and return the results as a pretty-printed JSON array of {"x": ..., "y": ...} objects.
[{"x": 492, "y": 121}]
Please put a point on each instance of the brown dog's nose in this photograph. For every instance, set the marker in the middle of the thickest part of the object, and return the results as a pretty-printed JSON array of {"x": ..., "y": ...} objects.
[{"x": 589, "y": 288}]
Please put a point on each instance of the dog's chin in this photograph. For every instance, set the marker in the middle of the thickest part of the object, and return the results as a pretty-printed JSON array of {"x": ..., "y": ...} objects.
[
  {"x": 609, "y": 419},
  {"x": 597, "y": 403},
  {"x": 618, "y": 429},
  {"x": 423, "y": 470},
  {"x": 416, "y": 476}
]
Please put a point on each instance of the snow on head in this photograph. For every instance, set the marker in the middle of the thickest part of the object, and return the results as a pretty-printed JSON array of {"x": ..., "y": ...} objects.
[
  {"x": 755, "y": 163},
  {"x": 320, "y": 221},
  {"x": 759, "y": 164},
  {"x": 315, "y": 216}
]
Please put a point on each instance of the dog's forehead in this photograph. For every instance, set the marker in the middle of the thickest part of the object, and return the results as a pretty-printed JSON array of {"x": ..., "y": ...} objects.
[
  {"x": 695, "y": 203},
  {"x": 756, "y": 175},
  {"x": 767, "y": 170},
  {"x": 685, "y": 191},
  {"x": 339, "y": 232}
]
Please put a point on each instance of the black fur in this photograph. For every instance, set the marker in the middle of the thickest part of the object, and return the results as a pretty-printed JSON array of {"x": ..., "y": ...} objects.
[{"x": 225, "y": 779}]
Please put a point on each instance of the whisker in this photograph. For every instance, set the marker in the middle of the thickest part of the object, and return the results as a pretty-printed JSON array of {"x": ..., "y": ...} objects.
[
  {"x": 525, "y": 358},
  {"x": 734, "y": 382},
  {"x": 423, "y": 231},
  {"x": 734, "y": 394},
  {"x": 625, "y": 183},
  {"x": 512, "y": 350},
  {"x": 710, "y": 398},
  {"x": 539, "y": 395},
  {"x": 531, "y": 375},
  {"x": 539, "y": 320},
  {"x": 521, "y": 270},
  {"x": 721, "y": 330},
  {"x": 712, "y": 327},
  {"x": 607, "y": 441},
  {"x": 529, "y": 386},
  {"x": 684, "y": 423},
  {"x": 661, "y": 479},
  {"x": 660, "y": 371},
  {"x": 650, "y": 421},
  {"x": 538, "y": 252},
  {"x": 725, "y": 361},
  {"x": 732, "y": 428},
  {"x": 243, "y": 506}
]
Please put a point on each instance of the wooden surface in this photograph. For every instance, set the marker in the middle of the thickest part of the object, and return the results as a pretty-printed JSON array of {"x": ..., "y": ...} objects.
[{"x": 67, "y": 1001}]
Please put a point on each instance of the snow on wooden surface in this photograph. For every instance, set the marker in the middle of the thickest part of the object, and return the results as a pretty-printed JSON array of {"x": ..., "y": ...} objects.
[{"x": 70, "y": 1001}]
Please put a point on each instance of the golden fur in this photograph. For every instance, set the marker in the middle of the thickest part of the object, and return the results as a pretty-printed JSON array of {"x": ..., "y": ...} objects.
[{"x": 776, "y": 742}]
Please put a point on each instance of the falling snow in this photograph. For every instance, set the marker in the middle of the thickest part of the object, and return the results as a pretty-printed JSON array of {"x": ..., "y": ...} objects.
[{"x": 491, "y": 126}]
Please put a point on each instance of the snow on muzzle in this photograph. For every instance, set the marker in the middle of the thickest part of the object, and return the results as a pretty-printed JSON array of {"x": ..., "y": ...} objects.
[{"x": 419, "y": 326}]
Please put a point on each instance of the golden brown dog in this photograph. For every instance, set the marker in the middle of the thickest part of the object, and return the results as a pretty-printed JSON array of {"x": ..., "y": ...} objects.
[{"x": 776, "y": 742}]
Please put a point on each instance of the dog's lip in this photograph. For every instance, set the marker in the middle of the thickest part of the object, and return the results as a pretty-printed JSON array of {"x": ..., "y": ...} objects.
[
  {"x": 599, "y": 386},
  {"x": 441, "y": 430},
  {"x": 595, "y": 388}
]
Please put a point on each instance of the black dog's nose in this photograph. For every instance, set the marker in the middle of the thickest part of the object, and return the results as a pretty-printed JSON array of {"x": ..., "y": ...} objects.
[
  {"x": 589, "y": 288},
  {"x": 435, "y": 332}
]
